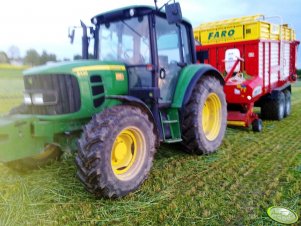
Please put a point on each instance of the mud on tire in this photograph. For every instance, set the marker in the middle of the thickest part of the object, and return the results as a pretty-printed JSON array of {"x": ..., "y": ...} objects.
[
  {"x": 116, "y": 151},
  {"x": 205, "y": 117}
]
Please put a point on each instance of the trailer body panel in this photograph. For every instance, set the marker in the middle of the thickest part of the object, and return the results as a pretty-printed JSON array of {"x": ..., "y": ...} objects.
[{"x": 268, "y": 60}]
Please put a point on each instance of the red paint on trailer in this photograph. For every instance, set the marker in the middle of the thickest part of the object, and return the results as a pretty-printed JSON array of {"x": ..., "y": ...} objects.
[{"x": 261, "y": 65}]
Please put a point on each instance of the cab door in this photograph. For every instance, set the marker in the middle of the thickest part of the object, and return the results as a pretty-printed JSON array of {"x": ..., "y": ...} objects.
[{"x": 173, "y": 55}]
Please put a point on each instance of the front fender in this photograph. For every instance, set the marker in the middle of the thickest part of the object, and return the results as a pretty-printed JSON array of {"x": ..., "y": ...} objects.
[
  {"x": 139, "y": 103},
  {"x": 188, "y": 78}
]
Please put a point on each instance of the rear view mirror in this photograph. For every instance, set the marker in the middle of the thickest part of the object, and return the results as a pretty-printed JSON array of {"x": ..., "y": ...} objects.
[
  {"x": 71, "y": 33},
  {"x": 173, "y": 13}
]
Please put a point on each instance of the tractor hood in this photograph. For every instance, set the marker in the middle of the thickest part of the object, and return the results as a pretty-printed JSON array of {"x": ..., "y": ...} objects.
[
  {"x": 79, "y": 87},
  {"x": 74, "y": 67}
]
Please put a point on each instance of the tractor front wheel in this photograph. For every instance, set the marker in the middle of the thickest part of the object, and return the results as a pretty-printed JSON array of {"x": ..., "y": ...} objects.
[
  {"x": 116, "y": 151},
  {"x": 205, "y": 117}
]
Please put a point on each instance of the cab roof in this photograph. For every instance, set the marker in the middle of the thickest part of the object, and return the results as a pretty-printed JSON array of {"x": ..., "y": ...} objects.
[{"x": 124, "y": 13}]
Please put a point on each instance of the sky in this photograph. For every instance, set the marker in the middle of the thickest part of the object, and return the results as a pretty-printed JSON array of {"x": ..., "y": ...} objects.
[{"x": 43, "y": 25}]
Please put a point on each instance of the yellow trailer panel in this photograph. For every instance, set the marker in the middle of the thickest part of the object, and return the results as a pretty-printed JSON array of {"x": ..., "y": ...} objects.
[{"x": 242, "y": 29}]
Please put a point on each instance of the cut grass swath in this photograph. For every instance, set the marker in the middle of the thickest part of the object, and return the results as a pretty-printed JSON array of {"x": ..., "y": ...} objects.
[{"x": 235, "y": 186}]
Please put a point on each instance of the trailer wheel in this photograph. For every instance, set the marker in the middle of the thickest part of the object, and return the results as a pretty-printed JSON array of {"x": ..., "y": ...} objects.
[
  {"x": 288, "y": 103},
  {"x": 273, "y": 109},
  {"x": 205, "y": 117},
  {"x": 257, "y": 125},
  {"x": 116, "y": 151},
  {"x": 51, "y": 153}
]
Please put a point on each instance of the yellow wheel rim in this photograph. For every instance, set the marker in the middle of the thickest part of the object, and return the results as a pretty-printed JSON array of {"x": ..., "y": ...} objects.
[
  {"x": 212, "y": 116},
  {"x": 127, "y": 153}
]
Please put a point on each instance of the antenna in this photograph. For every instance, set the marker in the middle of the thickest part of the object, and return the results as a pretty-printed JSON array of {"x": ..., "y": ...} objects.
[
  {"x": 165, "y": 4},
  {"x": 156, "y": 4}
]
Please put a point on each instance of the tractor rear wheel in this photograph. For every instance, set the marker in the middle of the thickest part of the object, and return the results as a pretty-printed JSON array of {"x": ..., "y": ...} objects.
[
  {"x": 205, "y": 117},
  {"x": 116, "y": 151},
  {"x": 51, "y": 153}
]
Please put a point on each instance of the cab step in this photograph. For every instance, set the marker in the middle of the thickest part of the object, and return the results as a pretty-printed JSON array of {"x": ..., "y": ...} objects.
[{"x": 171, "y": 125}]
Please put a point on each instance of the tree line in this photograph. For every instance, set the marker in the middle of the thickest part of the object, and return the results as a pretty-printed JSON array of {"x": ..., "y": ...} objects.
[
  {"x": 31, "y": 58},
  {"x": 299, "y": 73}
]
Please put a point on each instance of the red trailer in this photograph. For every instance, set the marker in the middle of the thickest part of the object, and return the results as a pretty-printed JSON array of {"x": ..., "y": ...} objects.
[{"x": 258, "y": 60}]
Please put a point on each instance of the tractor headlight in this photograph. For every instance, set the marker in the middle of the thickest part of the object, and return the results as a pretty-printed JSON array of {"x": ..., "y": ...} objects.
[
  {"x": 41, "y": 98},
  {"x": 27, "y": 99},
  {"x": 37, "y": 99}
]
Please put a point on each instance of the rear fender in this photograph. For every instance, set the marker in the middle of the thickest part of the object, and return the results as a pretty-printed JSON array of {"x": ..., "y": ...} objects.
[{"x": 188, "y": 79}]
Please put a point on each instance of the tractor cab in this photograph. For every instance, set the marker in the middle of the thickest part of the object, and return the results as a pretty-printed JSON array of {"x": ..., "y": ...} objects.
[{"x": 153, "y": 45}]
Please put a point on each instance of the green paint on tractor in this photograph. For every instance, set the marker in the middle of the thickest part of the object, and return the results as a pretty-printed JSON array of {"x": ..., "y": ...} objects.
[{"x": 115, "y": 109}]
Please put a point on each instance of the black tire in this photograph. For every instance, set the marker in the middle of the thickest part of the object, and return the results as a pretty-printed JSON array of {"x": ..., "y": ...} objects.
[
  {"x": 195, "y": 139},
  {"x": 273, "y": 108},
  {"x": 257, "y": 125},
  {"x": 288, "y": 103},
  {"x": 97, "y": 160},
  {"x": 50, "y": 154}
]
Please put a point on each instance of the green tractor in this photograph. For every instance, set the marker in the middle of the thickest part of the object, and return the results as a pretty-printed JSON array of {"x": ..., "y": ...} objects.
[{"x": 143, "y": 87}]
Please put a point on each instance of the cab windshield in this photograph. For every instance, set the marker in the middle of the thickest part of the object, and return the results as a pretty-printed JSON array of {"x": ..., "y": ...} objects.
[{"x": 127, "y": 41}]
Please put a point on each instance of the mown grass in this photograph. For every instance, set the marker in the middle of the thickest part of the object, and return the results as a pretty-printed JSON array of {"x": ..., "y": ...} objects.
[
  {"x": 8, "y": 70},
  {"x": 249, "y": 173},
  {"x": 11, "y": 87}
]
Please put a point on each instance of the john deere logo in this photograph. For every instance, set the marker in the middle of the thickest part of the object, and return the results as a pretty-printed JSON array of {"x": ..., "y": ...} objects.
[
  {"x": 282, "y": 215},
  {"x": 221, "y": 34}
]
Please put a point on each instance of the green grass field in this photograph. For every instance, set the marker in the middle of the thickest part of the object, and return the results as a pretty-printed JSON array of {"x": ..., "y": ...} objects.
[
  {"x": 235, "y": 186},
  {"x": 11, "y": 87}
]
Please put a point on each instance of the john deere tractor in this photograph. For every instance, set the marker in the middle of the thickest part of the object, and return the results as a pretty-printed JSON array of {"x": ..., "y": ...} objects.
[{"x": 143, "y": 87}]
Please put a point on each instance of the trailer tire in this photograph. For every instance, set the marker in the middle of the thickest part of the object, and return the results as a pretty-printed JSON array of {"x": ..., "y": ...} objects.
[
  {"x": 257, "y": 125},
  {"x": 288, "y": 103},
  {"x": 51, "y": 153},
  {"x": 273, "y": 108},
  {"x": 116, "y": 151},
  {"x": 205, "y": 117}
]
